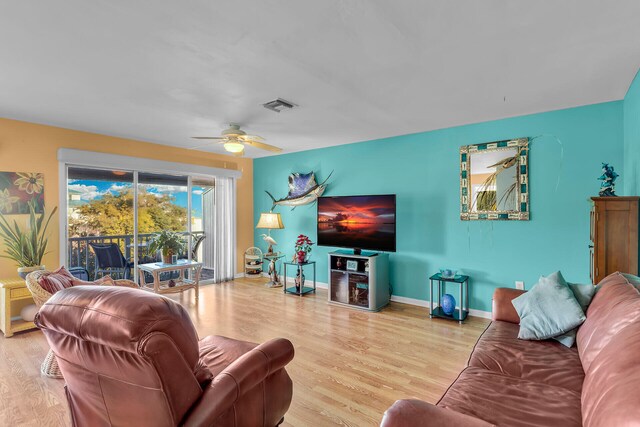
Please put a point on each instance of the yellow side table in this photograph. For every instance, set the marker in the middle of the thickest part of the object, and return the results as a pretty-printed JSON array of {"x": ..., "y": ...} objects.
[{"x": 15, "y": 295}]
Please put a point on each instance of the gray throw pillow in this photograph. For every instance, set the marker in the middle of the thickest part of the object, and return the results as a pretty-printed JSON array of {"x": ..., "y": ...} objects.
[
  {"x": 584, "y": 294},
  {"x": 549, "y": 309}
]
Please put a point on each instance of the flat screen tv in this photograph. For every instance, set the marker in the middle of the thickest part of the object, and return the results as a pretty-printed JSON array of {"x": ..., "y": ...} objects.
[{"x": 358, "y": 222}]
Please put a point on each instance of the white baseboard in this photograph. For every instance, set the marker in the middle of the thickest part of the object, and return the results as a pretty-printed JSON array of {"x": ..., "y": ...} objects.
[
  {"x": 402, "y": 300},
  {"x": 322, "y": 285},
  {"x": 425, "y": 303}
]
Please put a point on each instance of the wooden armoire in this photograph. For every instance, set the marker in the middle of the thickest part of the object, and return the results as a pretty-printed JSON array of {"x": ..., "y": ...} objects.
[{"x": 614, "y": 236}]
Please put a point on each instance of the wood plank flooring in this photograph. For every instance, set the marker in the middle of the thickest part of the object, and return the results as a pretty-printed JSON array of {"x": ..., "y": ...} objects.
[{"x": 350, "y": 366}]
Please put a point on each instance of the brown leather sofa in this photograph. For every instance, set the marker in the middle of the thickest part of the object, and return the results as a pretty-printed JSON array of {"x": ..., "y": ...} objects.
[
  {"x": 512, "y": 382},
  {"x": 132, "y": 358}
]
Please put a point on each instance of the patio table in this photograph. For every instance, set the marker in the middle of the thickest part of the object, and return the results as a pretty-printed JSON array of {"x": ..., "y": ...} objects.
[{"x": 180, "y": 284}]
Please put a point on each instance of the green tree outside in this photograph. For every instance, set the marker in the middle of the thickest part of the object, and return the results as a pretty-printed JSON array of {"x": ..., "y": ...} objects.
[{"x": 112, "y": 215}]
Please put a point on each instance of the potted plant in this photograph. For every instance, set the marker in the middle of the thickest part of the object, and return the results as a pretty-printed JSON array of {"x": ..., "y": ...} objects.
[
  {"x": 303, "y": 248},
  {"x": 27, "y": 246},
  {"x": 169, "y": 242}
]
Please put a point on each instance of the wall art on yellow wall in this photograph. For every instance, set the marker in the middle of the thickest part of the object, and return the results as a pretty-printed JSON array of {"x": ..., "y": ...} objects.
[{"x": 18, "y": 189}]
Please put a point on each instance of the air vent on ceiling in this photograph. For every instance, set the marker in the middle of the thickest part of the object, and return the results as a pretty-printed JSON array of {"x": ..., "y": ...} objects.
[{"x": 278, "y": 105}]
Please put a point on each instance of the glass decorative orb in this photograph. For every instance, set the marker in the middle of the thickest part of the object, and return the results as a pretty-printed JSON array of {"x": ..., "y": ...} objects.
[{"x": 448, "y": 304}]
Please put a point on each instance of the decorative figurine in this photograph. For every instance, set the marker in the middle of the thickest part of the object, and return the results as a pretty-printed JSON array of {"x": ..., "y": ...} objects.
[
  {"x": 273, "y": 273},
  {"x": 608, "y": 178},
  {"x": 271, "y": 241}
]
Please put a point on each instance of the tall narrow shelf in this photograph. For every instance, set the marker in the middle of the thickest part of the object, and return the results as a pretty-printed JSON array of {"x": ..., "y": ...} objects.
[
  {"x": 614, "y": 236},
  {"x": 359, "y": 281},
  {"x": 253, "y": 262}
]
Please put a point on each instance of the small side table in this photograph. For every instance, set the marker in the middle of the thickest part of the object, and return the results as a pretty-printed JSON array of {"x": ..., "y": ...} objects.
[
  {"x": 463, "y": 309},
  {"x": 14, "y": 290},
  {"x": 301, "y": 289},
  {"x": 273, "y": 269},
  {"x": 180, "y": 284}
]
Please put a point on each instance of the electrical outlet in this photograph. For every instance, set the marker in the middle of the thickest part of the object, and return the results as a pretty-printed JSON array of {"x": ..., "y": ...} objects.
[{"x": 519, "y": 284}]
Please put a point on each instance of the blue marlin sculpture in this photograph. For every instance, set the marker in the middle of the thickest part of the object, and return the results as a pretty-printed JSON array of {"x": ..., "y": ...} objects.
[{"x": 303, "y": 189}]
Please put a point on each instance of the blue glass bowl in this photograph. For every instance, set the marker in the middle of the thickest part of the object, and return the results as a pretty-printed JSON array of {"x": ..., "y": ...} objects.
[{"x": 447, "y": 273}]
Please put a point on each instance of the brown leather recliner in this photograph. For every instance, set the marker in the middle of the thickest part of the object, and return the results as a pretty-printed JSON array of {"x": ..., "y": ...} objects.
[{"x": 132, "y": 358}]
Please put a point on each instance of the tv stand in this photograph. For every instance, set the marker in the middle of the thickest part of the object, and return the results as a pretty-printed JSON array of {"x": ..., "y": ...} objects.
[
  {"x": 359, "y": 280},
  {"x": 347, "y": 252}
]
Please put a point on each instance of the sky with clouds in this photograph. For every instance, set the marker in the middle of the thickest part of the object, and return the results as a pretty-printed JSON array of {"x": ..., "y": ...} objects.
[{"x": 94, "y": 189}]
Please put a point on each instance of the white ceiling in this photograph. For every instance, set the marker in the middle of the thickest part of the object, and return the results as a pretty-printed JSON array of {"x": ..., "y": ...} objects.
[{"x": 163, "y": 71}]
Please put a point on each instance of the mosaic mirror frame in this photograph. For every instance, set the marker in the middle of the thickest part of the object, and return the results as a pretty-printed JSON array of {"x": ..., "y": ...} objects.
[{"x": 520, "y": 185}]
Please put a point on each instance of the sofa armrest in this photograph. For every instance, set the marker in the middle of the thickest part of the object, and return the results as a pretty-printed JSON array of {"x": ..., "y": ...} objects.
[
  {"x": 414, "y": 412},
  {"x": 502, "y": 307},
  {"x": 247, "y": 372}
]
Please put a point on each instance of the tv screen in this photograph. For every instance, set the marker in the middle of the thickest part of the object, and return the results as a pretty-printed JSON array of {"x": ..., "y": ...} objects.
[{"x": 359, "y": 222}]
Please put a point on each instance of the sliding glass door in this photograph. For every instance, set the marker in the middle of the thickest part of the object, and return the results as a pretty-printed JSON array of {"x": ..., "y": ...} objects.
[
  {"x": 162, "y": 205},
  {"x": 202, "y": 214},
  {"x": 100, "y": 214},
  {"x": 118, "y": 211}
]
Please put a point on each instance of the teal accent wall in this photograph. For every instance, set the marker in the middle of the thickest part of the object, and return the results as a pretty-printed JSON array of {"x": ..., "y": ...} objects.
[
  {"x": 631, "y": 178},
  {"x": 423, "y": 170}
]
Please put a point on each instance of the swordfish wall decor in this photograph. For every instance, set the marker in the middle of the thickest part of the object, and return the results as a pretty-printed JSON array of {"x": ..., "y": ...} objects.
[{"x": 303, "y": 189}]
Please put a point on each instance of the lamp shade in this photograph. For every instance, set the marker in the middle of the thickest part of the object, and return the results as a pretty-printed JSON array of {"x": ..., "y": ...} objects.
[{"x": 270, "y": 221}]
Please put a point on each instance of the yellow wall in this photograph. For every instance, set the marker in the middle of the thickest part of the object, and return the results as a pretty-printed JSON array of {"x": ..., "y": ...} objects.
[{"x": 28, "y": 147}]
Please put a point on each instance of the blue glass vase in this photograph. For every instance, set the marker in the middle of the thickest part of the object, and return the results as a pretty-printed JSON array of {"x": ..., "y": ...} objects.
[{"x": 448, "y": 304}]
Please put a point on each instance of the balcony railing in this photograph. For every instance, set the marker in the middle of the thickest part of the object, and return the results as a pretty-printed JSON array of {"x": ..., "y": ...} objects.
[{"x": 80, "y": 254}]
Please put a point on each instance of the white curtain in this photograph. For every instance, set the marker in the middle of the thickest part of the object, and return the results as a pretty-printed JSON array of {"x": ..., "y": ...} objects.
[
  {"x": 224, "y": 230},
  {"x": 208, "y": 222}
]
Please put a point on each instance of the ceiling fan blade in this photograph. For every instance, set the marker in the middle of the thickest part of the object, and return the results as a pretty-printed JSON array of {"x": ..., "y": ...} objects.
[
  {"x": 263, "y": 146},
  {"x": 197, "y": 147},
  {"x": 251, "y": 138},
  {"x": 209, "y": 144},
  {"x": 208, "y": 137}
]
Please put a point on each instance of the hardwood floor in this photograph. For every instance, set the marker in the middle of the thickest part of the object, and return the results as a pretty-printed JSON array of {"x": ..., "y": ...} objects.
[{"x": 349, "y": 367}]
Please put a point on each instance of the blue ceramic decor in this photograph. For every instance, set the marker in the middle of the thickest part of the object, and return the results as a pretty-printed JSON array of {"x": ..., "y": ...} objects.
[
  {"x": 608, "y": 178},
  {"x": 448, "y": 304}
]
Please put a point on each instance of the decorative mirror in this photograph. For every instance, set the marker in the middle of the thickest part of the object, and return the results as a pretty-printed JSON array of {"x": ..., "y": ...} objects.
[{"x": 494, "y": 180}]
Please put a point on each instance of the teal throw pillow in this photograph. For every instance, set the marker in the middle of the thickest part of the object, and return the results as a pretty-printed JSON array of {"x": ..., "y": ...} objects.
[
  {"x": 549, "y": 309},
  {"x": 568, "y": 339},
  {"x": 584, "y": 294}
]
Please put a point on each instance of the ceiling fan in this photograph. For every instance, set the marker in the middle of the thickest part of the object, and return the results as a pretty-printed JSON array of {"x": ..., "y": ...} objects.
[{"x": 234, "y": 139}]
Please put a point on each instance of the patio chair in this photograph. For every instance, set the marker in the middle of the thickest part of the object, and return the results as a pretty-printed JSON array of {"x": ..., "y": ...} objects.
[
  {"x": 49, "y": 367},
  {"x": 109, "y": 260},
  {"x": 79, "y": 272},
  {"x": 196, "y": 245}
]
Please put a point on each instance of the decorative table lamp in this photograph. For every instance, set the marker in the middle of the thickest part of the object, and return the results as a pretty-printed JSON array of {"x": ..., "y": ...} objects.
[{"x": 270, "y": 221}]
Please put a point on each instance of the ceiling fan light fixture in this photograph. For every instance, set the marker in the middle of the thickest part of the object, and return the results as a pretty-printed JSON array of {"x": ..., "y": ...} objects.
[
  {"x": 233, "y": 147},
  {"x": 233, "y": 130}
]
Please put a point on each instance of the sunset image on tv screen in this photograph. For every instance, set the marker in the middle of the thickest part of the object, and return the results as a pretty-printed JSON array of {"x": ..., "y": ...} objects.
[{"x": 364, "y": 222}]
